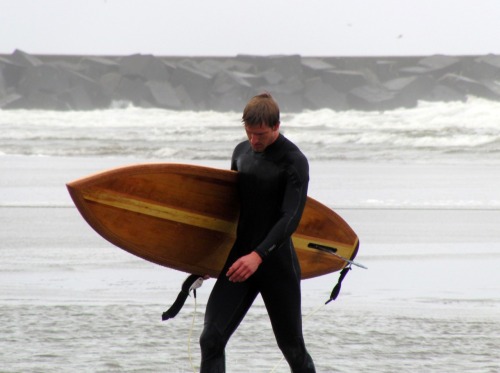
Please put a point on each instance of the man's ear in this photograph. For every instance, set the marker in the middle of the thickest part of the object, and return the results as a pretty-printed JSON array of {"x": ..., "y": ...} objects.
[{"x": 276, "y": 126}]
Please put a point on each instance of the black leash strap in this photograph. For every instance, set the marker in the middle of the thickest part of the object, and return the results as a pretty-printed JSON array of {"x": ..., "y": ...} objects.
[
  {"x": 191, "y": 283},
  {"x": 336, "y": 289}
]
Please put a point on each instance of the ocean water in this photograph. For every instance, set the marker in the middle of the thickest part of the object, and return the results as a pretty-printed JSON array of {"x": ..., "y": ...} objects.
[
  {"x": 420, "y": 187},
  {"x": 456, "y": 131}
]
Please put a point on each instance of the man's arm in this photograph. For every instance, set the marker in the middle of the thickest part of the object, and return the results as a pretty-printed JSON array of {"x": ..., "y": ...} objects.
[{"x": 294, "y": 200}]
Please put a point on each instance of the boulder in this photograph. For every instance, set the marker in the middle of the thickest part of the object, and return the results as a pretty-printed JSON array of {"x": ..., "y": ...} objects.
[
  {"x": 24, "y": 59},
  {"x": 109, "y": 83},
  {"x": 484, "y": 68},
  {"x": 8, "y": 100},
  {"x": 96, "y": 67},
  {"x": 408, "y": 90},
  {"x": 319, "y": 95},
  {"x": 86, "y": 93},
  {"x": 372, "y": 98},
  {"x": 494, "y": 87},
  {"x": 164, "y": 95},
  {"x": 386, "y": 70},
  {"x": 314, "y": 66},
  {"x": 146, "y": 67},
  {"x": 44, "y": 78},
  {"x": 11, "y": 72},
  {"x": 469, "y": 86},
  {"x": 288, "y": 94},
  {"x": 134, "y": 90},
  {"x": 3, "y": 85},
  {"x": 343, "y": 80},
  {"x": 195, "y": 82},
  {"x": 78, "y": 98},
  {"x": 231, "y": 90},
  {"x": 442, "y": 93},
  {"x": 286, "y": 67},
  {"x": 37, "y": 100},
  {"x": 436, "y": 66},
  {"x": 225, "y": 81}
]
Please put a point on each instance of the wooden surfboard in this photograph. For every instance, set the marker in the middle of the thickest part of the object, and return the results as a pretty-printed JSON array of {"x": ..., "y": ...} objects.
[{"x": 184, "y": 217}]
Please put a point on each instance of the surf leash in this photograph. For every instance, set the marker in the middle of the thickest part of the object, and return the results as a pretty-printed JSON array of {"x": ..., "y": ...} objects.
[
  {"x": 191, "y": 283},
  {"x": 336, "y": 290},
  {"x": 190, "y": 355}
]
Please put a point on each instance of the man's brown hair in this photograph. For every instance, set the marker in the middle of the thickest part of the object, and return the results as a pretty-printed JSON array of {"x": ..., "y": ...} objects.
[{"x": 261, "y": 110}]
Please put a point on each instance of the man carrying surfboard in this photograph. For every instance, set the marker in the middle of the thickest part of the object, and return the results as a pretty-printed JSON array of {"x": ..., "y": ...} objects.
[{"x": 273, "y": 176}]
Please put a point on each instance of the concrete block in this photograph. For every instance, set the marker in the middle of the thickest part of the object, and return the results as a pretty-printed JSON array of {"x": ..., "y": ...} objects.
[
  {"x": 85, "y": 93},
  {"x": 289, "y": 102},
  {"x": 96, "y": 67},
  {"x": 195, "y": 81},
  {"x": 44, "y": 78},
  {"x": 271, "y": 77},
  {"x": 134, "y": 90},
  {"x": 439, "y": 62},
  {"x": 319, "y": 95},
  {"x": 343, "y": 80},
  {"x": 436, "y": 66},
  {"x": 164, "y": 95},
  {"x": 485, "y": 67},
  {"x": 386, "y": 70},
  {"x": 109, "y": 82},
  {"x": 290, "y": 67},
  {"x": 409, "y": 90},
  {"x": 231, "y": 90},
  {"x": 225, "y": 81},
  {"x": 494, "y": 87},
  {"x": 286, "y": 66},
  {"x": 147, "y": 67},
  {"x": 315, "y": 65},
  {"x": 232, "y": 100},
  {"x": 8, "y": 100},
  {"x": 372, "y": 98},
  {"x": 468, "y": 86},
  {"x": 3, "y": 85},
  {"x": 442, "y": 93},
  {"x": 185, "y": 99},
  {"x": 11, "y": 72},
  {"x": 38, "y": 100},
  {"x": 212, "y": 66},
  {"x": 78, "y": 98},
  {"x": 24, "y": 59}
]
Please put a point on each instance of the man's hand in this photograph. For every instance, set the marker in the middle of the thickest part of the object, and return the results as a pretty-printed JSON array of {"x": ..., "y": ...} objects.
[{"x": 244, "y": 267}]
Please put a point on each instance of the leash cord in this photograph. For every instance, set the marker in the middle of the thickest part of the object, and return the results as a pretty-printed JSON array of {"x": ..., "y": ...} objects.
[{"x": 191, "y": 334}]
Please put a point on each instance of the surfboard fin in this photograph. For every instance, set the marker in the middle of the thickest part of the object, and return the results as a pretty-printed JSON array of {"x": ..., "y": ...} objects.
[{"x": 192, "y": 282}]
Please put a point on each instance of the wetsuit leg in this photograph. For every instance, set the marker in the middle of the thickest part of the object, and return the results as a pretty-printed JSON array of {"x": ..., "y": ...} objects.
[
  {"x": 282, "y": 297},
  {"x": 227, "y": 305}
]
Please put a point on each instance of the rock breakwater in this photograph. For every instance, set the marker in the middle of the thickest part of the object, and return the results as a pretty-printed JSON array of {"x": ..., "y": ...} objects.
[{"x": 226, "y": 83}]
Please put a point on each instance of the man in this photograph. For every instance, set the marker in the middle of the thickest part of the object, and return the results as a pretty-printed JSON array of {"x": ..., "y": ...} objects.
[{"x": 273, "y": 176}]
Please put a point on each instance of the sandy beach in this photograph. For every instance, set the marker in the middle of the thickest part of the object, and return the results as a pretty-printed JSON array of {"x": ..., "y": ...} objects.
[{"x": 428, "y": 302}]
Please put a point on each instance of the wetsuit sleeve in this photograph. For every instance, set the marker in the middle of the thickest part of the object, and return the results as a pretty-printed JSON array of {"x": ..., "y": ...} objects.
[
  {"x": 234, "y": 157},
  {"x": 294, "y": 200}
]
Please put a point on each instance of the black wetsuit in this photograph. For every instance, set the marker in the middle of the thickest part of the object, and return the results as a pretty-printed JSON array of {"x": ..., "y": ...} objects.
[{"x": 273, "y": 191}]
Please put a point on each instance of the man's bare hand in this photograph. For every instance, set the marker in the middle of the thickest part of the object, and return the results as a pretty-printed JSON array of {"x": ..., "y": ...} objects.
[{"x": 244, "y": 267}]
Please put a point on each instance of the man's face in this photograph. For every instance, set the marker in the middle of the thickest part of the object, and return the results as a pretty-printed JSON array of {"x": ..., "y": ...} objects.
[{"x": 261, "y": 136}]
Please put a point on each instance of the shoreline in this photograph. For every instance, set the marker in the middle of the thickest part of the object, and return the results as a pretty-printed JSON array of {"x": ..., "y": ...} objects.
[{"x": 348, "y": 185}]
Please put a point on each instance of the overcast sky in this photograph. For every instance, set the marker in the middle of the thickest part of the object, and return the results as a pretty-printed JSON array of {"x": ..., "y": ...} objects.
[{"x": 258, "y": 27}]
